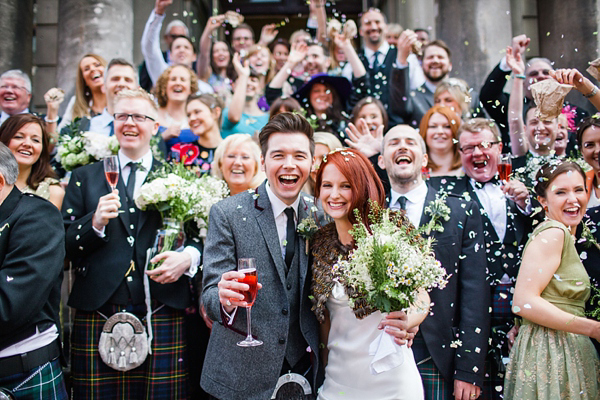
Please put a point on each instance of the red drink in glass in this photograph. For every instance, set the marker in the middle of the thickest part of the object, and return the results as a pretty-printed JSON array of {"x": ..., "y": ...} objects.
[
  {"x": 112, "y": 177},
  {"x": 504, "y": 171},
  {"x": 251, "y": 280}
]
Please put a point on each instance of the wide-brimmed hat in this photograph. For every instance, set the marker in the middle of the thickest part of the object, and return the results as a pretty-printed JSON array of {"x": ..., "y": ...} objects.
[{"x": 342, "y": 86}]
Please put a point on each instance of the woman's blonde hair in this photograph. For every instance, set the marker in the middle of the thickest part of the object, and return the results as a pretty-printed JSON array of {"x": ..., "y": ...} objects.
[
  {"x": 328, "y": 139},
  {"x": 271, "y": 71},
  {"x": 233, "y": 141},
  {"x": 459, "y": 90},
  {"x": 83, "y": 94},
  {"x": 160, "y": 89}
]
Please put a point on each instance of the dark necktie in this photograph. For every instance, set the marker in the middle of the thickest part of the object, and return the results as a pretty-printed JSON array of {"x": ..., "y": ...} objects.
[
  {"x": 290, "y": 236},
  {"x": 480, "y": 185},
  {"x": 112, "y": 128},
  {"x": 131, "y": 181},
  {"x": 402, "y": 202},
  {"x": 376, "y": 62}
]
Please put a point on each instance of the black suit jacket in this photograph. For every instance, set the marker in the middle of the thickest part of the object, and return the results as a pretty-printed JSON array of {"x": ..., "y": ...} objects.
[
  {"x": 31, "y": 266},
  {"x": 101, "y": 263},
  {"x": 410, "y": 106},
  {"x": 461, "y": 309}
]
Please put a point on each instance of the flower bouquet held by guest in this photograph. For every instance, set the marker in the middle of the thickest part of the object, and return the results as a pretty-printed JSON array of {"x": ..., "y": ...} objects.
[
  {"x": 366, "y": 263},
  {"x": 552, "y": 356},
  {"x": 237, "y": 162},
  {"x": 204, "y": 117},
  {"x": 26, "y": 137}
]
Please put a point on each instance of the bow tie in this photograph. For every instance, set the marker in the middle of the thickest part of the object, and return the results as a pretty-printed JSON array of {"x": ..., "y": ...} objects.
[{"x": 480, "y": 185}]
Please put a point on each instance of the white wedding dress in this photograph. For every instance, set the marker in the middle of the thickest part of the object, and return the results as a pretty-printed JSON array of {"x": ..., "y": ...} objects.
[{"x": 348, "y": 372}]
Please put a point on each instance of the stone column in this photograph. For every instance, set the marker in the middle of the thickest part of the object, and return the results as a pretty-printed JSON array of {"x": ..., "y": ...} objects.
[
  {"x": 104, "y": 27},
  {"x": 569, "y": 37},
  {"x": 476, "y": 32},
  {"x": 16, "y": 31}
]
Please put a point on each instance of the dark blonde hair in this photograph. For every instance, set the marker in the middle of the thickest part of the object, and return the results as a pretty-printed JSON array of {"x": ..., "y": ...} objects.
[
  {"x": 160, "y": 89},
  {"x": 210, "y": 100},
  {"x": 83, "y": 95}
]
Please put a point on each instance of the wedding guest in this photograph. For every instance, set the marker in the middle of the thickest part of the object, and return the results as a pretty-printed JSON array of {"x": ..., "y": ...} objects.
[
  {"x": 280, "y": 49},
  {"x": 237, "y": 162},
  {"x": 325, "y": 143},
  {"x": 284, "y": 104},
  {"x": 172, "y": 90},
  {"x": 588, "y": 140},
  {"x": 25, "y": 135},
  {"x": 346, "y": 181},
  {"x": 553, "y": 355},
  {"x": 562, "y": 136},
  {"x": 373, "y": 112},
  {"x": 31, "y": 274},
  {"x": 214, "y": 59},
  {"x": 439, "y": 128},
  {"x": 198, "y": 147},
  {"x": 456, "y": 94},
  {"x": 15, "y": 93},
  {"x": 451, "y": 344},
  {"x": 107, "y": 238}
]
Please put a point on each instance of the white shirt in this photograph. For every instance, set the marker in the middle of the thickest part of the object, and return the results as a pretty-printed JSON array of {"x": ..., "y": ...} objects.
[
  {"x": 155, "y": 62},
  {"x": 102, "y": 123},
  {"x": 281, "y": 219},
  {"x": 140, "y": 176},
  {"x": 383, "y": 50},
  {"x": 594, "y": 201},
  {"x": 33, "y": 342},
  {"x": 493, "y": 201},
  {"x": 4, "y": 116},
  {"x": 415, "y": 201}
]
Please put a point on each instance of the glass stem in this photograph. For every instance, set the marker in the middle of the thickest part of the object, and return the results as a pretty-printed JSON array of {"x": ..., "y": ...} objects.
[{"x": 249, "y": 323}]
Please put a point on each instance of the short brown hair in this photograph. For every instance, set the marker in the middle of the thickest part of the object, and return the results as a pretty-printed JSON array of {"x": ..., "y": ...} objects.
[
  {"x": 479, "y": 124},
  {"x": 583, "y": 125},
  {"x": 210, "y": 100},
  {"x": 550, "y": 171},
  {"x": 286, "y": 123},
  {"x": 438, "y": 43},
  {"x": 160, "y": 89}
]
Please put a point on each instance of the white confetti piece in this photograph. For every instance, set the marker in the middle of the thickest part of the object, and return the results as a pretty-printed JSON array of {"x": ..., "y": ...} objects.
[
  {"x": 528, "y": 306},
  {"x": 9, "y": 278},
  {"x": 516, "y": 309}
]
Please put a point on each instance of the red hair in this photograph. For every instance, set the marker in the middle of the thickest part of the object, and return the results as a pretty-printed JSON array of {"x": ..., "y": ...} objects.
[
  {"x": 454, "y": 121},
  {"x": 365, "y": 184}
]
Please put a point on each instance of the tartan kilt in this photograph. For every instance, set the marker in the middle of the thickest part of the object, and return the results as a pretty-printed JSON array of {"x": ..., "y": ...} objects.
[
  {"x": 434, "y": 384},
  {"x": 46, "y": 383},
  {"x": 163, "y": 375},
  {"x": 501, "y": 304}
]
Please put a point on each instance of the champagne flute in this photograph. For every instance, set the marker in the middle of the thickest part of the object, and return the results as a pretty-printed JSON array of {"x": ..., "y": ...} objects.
[
  {"x": 111, "y": 171},
  {"x": 248, "y": 267},
  {"x": 504, "y": 167}
]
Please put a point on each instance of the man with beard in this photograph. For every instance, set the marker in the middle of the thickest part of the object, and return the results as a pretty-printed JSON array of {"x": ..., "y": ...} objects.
[
  {"x": 412, "y": 105},
  {"x": 378, "y": 58},
  {"x": 15, "y": 93},
  {"x": 451, "y": 344}
]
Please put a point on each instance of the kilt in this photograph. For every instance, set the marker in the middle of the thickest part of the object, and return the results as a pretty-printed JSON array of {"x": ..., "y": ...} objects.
[
  {"x": 45, "y": 382},
  {"x": 501, "y": 303},
  {"x": 434, "y": 384},
  {"x": 162, "y": 376}
]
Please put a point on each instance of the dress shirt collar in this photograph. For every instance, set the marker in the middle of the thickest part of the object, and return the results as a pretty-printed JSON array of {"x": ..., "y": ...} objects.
[
  {"x": 383, "y": 49},
  {"x": 430, "y": 86},
  {"x": 146, "y": 160},
  {"x": 4, "y": 116},
  {"x": 415, "y": 196},
  {"x": 277, "y": 205}
]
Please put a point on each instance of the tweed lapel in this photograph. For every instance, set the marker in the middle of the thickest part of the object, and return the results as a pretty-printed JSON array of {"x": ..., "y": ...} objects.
[
  {"x": 266, "y": 223},
  {"x": 303, "y": 212}
]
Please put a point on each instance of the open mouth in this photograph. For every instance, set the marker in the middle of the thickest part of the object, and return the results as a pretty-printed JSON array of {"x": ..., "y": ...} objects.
[
  {"x": 289, "y": 180},
  {"x": 131, "y": 134},
  {"x": 9, "y": 98},
  {"x": 480, "y": 164},
  {"x": 238, "y": 171},
  {"x": 26, "y": 153},
  {"x": 403, "y": 160},
  {"x": 336, "y": 205},
  {"x": 572, "y": 211},
  {"x": 542, "y": 137},
  {"x": 178, "y": 89}
]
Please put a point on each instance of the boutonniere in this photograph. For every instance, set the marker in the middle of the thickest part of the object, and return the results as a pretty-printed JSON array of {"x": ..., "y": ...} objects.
[
  {"x": 437, "y": 210},
  {"x": 306, "y": 229},
  {"x": 587, "y": 235}
]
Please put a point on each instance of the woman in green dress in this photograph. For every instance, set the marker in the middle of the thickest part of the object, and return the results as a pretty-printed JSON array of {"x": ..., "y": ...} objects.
[{"x": 553, "y": 356}]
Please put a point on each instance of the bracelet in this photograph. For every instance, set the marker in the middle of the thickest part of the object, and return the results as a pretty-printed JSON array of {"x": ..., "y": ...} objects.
[
  {"x": 50, "y": 121},
  {"x": 520, "y": 76},
  {"x": 592, "y": 93}
]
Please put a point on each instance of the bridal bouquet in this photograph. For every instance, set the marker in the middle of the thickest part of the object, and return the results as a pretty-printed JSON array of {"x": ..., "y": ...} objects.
[
  {"x": 181, "y": 194},
  {"x": 80, "y": 148},
  {"x": 390, "y": 263}
]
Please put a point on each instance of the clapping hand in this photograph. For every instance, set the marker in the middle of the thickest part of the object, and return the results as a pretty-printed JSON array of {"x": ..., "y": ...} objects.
[
  {"x": 297, "y": 54},
  {"x": 363, "y": 139}
]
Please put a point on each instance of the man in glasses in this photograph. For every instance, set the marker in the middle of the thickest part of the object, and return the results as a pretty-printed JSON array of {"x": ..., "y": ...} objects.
[
  {"x": 505, "y": 210},
  {"x": 15, "y": 93},
  {"x": 107, "y": 241}
]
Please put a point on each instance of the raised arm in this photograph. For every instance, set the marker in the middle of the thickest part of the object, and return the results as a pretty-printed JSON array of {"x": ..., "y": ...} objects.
[
  {"x": 236, "y": 107},
  {"x": 317, "y": 10},
  {"x": 535, "y": 276},
  {"x": 204, "y": 54},
  {"x": 297, "y": 54},
  {"x": 155, "y": 63},
  {"x": 580, "y": 82},
  {"x": 268, "y": 33},
  {"x": 516, "y": 126}
]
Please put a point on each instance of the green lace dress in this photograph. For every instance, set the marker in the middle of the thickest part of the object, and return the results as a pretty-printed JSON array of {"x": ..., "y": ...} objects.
[{"x": 552, "y": 364}]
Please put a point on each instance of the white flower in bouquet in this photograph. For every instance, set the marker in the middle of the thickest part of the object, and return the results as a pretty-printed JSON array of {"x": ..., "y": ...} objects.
[
  {"x": 82, "y": 148},
  {"x": 97, "y": 145}
]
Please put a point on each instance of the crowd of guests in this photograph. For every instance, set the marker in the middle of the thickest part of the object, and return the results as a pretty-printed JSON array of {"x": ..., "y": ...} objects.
[{"x": 302, "y": 127}]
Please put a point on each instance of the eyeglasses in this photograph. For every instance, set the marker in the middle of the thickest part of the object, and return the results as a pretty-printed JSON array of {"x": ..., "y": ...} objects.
[
  {"x": 13, "y": 87},
  {"x": 482, "y": 146},
  {"x": 122, "y": 117}
]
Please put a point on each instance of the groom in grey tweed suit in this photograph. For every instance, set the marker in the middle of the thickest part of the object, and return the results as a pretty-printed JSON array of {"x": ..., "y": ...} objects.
[{"x": 255, "y": 224}]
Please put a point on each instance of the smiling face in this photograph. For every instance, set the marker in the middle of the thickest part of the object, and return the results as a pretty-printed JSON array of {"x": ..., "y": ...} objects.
[
  {"x": 14, "y": 97},
  {"x": 540, "y": 134},
  {"x": 315, "y": 61},
  {"x": 220, "y": 53},
  {"x": 280, "y": 53},
  {"x": 179, "y": 85},
  {"x": 259, "y": 60},
  {"x": 482, "y": 164},
  {"x": 403, "y": 157},
  {"x": 373, "y": 27},
  {"x": 26, "y": 145},
  {"x": 436, "y": 63},
  {"x": 287, "y": 163},
  {"x": 239, "y": 167},
  {"x": 372, "y": 115},
  {"x": 182, "y": 52},
  {"x": 320, "y": 98},
  {"x": 93, "y": 72},
  {"x": 590, "y": 147},
  {"x": 535, "y": 72},
  {"x": 241, "y": 39},
  {"x": 445, "y": 99},
  {"x": 119, "y": 77},
  {"x": 566, "y": 199},
  {"x": 134, "y": 137},
  {"x": 336, "y": 193},
  {"x": 200, "y": 117},
  {"x": 439, "y": 134},
  {"x": 562, "y": 136}
]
